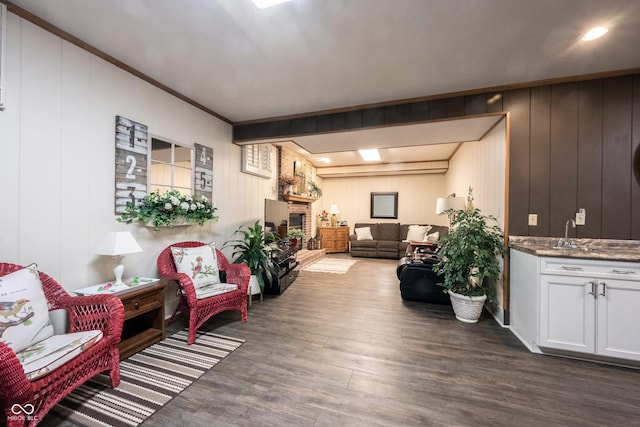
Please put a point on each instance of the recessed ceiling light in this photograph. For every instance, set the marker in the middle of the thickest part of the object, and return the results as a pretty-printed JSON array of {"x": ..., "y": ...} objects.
[
  {"x": 263, "y": 4},
  {"x": 595, "y": 33},
  {"x": 371, "y": 155}
]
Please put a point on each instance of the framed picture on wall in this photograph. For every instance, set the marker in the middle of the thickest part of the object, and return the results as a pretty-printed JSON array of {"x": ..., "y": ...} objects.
[{"x": 384, "y": 205}]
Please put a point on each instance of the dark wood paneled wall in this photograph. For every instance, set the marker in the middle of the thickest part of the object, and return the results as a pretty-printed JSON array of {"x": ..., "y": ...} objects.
[{"x": 572, "y": 146}]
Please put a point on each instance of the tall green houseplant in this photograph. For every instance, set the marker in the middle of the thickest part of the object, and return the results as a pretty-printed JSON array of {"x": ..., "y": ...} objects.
[
  {"x": 253, "y": 250},
  {"x": 469, "y": 252}
]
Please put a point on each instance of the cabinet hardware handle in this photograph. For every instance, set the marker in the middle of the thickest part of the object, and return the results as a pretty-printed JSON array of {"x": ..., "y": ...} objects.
[
  {"x": 571, "y": 268},
  {"x": 136, "y": 305},
  {"x": 593, "y": 289},
  {"x": 616, "y": 271},
  {"x": 604, "y": 289}
]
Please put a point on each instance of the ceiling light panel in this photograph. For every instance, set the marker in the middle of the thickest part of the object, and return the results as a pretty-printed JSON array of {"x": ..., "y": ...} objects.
[
  {"x": 263, "y": 4},
  {"x": 595, "y": 33},
  {"x": 371, "y": 155}
]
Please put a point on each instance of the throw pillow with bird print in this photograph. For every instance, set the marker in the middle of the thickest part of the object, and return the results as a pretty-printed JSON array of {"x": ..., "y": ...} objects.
[
  {"x": 24, "y": 311},
  {"x": 199, "y": 263}
]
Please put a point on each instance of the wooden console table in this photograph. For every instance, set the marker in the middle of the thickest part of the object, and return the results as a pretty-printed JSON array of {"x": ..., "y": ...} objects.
[{"x": 143, "y": 312}]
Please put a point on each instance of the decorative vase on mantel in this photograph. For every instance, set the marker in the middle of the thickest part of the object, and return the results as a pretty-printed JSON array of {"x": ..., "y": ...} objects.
[{"x": 288, "y": 189}]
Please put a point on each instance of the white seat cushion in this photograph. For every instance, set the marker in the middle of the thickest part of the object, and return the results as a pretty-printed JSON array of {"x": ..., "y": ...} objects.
[
  {"x": 214, "y": 289},
  {"x": 43, "y": 357}
]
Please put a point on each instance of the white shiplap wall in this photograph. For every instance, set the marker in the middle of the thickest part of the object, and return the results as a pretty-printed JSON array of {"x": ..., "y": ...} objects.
[
  {"x": 482, "y": 165},
  {"x": 57, "y": 164}
]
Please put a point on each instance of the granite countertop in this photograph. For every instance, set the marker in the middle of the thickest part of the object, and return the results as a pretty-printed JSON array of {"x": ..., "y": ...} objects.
[{"x": 602, "y": 249}]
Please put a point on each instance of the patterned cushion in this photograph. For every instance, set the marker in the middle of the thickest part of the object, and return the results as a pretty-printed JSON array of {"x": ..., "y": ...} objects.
[
  {"x": 43, "y": 357},
  {"x": 24, "y": 309},
  {"x": 200, "y": 263},
  {"x": 214, "y": 289}
]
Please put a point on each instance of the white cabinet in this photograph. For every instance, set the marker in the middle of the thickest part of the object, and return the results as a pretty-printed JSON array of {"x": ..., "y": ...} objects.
[
  {"x": 567, "y": 314},
  {"x": 577, "y": 305}
]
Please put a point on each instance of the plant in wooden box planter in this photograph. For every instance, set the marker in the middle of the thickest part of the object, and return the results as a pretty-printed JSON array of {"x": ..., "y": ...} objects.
[
  {"x": 253, "y": 250},
  {"x": 469, "y": 260},
  {"x": 169, "y": 209}
]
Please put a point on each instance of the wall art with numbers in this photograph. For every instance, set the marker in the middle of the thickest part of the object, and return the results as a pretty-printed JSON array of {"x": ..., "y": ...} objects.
[
  {"x": 132, "y": 151},
  {"x": 203, "y": 172}
]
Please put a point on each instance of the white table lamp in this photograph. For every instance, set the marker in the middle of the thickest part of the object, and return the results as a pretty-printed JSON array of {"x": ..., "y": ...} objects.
[
  {"x": 117, "y": 244},
  {"x": 443, "y": 204}
]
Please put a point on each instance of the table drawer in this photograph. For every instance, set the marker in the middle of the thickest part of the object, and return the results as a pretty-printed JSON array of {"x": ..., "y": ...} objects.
[{"x": 141, "y": 303}]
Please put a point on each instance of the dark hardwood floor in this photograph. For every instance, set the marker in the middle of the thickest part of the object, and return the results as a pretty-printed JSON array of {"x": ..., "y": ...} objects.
[{"x": 338, "y": 350}]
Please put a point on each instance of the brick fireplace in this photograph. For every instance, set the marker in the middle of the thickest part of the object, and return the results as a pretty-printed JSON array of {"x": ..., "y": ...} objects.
[{"x": 305, "y": 210}]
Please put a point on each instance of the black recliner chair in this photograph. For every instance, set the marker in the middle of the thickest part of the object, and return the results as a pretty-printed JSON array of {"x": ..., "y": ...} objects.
[{"x": 418, "y": 281}]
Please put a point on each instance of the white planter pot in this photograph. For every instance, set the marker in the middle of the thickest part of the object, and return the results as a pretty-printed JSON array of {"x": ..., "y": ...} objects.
[
  {"x": 467, "y": 309},
  {"x": 254, "y": 285}
]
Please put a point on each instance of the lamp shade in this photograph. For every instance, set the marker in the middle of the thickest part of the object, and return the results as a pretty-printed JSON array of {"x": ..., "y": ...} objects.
[
  {"x": 446, "y": 203},
  {"x": 334, "y": 210},
  {"x": 118, "y": 243}
]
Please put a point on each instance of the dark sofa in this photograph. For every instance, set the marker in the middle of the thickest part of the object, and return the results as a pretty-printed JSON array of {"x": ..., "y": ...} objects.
[{"x": 387, "y": 240}]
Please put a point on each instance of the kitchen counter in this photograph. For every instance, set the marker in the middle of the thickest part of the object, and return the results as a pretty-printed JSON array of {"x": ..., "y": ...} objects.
[{"x": 602, "y": 249}]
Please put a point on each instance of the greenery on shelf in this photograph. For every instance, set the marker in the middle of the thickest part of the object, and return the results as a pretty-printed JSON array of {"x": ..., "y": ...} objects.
[
  {"x": 253, "y": 250},
  {"x": 314, "y": 190},
  {"x": 469, "y": 252},
  {"x": 164, "y": 210}
]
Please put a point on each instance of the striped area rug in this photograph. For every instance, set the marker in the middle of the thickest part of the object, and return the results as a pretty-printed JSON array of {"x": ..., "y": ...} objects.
[{"x": 148, "y": 380}]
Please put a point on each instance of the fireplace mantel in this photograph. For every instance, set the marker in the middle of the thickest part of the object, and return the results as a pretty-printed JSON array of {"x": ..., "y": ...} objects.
[{"x": 298, "y": 198}]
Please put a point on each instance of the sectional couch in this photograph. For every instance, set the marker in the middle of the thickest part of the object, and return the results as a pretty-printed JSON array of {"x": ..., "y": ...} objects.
[{"x": 388, "y": 240}]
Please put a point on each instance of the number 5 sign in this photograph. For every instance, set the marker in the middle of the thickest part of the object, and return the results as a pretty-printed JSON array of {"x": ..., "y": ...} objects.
[
  {"x": 203, "y": 172},
  {"x": 131, "y": 162}
]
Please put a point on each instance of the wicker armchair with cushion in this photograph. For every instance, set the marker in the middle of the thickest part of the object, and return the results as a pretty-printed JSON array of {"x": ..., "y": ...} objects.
[
  {"x": 39, "y": 368},
  {"x": 207, "y": 283}
]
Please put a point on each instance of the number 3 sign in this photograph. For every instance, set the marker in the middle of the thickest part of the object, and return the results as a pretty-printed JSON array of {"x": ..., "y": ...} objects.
[{"x": 131, "y": 162}]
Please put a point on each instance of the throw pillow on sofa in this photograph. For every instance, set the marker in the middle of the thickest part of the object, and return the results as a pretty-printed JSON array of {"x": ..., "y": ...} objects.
[
  {"x": 417, "y": 233},
  {"x": 433, "y": 237},
  {"x": 363, "y": 233},
  {"x": 24, "y": 308}
]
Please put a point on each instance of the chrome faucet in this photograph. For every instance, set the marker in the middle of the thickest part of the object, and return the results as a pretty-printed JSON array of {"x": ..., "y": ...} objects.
[{"x": 566, "y": 243}]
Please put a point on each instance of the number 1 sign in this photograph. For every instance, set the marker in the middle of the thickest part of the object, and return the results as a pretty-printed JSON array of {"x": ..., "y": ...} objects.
[{"x": 132, "y": 149}]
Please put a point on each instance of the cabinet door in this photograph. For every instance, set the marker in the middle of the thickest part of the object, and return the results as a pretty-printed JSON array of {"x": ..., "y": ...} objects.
[
  {"x": 618, "y": 319},
  {"x": 567, "y": 313},
  {"x": 342, "y": 239}
]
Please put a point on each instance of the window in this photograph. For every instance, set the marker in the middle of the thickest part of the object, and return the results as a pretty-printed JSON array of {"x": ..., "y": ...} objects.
[
  {"x": 171, "y": 167},
  {"x": 256, "y": 159}
]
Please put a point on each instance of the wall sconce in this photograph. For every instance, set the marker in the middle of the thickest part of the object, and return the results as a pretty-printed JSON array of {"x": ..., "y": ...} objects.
[{"x": 117, "y": 244}]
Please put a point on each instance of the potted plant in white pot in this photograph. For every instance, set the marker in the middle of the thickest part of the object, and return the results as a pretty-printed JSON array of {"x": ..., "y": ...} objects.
[{"x": 469, "y": 260}]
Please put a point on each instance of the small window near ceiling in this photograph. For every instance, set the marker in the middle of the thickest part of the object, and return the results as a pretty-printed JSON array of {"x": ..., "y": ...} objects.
[{"x": 171, "y": 167}]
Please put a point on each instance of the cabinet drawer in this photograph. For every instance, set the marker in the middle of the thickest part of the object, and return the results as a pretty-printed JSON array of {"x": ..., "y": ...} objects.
[
  {"x": 590, "y": 268},
  {"x": 141, "y": 303}
]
